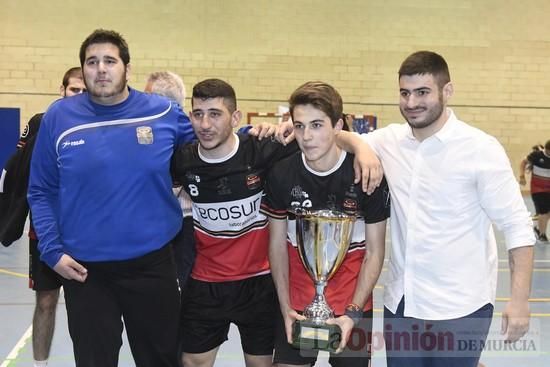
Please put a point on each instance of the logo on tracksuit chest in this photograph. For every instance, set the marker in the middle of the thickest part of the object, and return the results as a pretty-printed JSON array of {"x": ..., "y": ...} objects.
[
  {"x": 144, "y": 135},
  {"x": 72, "y": 143}
]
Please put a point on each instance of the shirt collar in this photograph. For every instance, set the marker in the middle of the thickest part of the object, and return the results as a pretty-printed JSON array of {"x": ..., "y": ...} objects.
[{"x": 444, "y": 134}]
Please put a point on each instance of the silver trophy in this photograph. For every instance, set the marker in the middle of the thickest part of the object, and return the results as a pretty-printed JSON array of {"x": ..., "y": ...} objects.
[{"x": 323, "y": 238}]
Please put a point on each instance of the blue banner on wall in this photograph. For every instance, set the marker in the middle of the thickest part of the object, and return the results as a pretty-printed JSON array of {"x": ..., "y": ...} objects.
[{"x": 9, "y": 133}]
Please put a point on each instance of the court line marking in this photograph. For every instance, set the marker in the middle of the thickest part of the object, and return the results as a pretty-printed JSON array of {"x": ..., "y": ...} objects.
[
  {"x": 14, "y": 353},
  {"x": 535, "y": 270},
  {"x": 5, "y": 271},
  {"x": 506, "y": 260},
  {"x": 506, "y": 299},
  {"x": 536, "y": 261},
  {"x": 21, "y": 275},
  {"x": 498, "y": 299},
  {"x": 533, "y": 314}
]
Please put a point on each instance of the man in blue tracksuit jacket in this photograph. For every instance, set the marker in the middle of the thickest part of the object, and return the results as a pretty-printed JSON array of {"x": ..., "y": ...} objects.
[{"x": 101, "y": 195}]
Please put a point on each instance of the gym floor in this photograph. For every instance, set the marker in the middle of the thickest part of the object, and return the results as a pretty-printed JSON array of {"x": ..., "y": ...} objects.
[{"x": 17, "y": 304}]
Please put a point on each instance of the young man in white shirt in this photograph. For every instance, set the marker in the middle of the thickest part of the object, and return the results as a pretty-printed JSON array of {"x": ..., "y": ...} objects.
[{"x": 448, "y": 181}]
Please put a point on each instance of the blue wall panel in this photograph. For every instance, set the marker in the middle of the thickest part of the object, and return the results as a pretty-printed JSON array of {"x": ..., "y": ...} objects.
[{"x": 9, "y": 132}]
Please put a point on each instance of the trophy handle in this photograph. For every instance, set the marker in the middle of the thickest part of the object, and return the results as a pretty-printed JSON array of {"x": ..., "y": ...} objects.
[{"x": 301, "y": 224}]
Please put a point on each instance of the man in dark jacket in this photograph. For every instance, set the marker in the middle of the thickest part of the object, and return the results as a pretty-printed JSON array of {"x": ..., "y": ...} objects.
[{"x": 43, "y": 280}]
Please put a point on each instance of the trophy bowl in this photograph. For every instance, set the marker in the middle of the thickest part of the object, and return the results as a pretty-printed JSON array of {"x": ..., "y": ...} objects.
[{"x": 323, "y": 238}]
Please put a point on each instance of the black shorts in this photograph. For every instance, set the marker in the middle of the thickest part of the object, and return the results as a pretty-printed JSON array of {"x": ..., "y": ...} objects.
[
  {"x": 209, "y": 308},
  {"x": 542, "y": 202},
  {"x": 41, "y": 276},
  {"x": 356, "y": 354}
]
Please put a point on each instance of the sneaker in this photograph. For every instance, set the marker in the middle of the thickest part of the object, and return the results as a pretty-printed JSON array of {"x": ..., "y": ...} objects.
[{"x": 543, "y": 238}]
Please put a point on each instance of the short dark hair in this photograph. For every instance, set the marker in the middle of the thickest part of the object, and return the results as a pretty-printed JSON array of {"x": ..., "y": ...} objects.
[
  {"x": 106, "y": 36},
  {"x": 216, "y": 88},
  {"x": 426, "y": 62},
  {"x": 537, "y": 147},
  {"x": 320, "y": 95},
  {"x": 547, "y": 145},
  {"x": 75, "y": 72}
]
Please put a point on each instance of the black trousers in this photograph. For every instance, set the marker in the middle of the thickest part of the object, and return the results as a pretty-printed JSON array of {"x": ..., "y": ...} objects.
[{"x": 143, "y": 293}]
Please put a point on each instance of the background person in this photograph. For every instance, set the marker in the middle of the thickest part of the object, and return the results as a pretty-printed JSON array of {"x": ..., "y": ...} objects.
[
  {"x": 170, "y": 85},
  {"x": 538, "y": 161},
  {"x": 43, "y": 280}
]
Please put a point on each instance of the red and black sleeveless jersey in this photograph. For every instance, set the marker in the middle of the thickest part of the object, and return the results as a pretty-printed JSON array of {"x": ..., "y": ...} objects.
[
  {"x": 231, "y": 234},
  {"x": 290, "y": 184},
  {"x": 540, "y": 179}
]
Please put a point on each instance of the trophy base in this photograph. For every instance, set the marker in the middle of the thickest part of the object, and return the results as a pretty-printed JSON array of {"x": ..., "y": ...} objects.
[{"x": 309, "y": 335}]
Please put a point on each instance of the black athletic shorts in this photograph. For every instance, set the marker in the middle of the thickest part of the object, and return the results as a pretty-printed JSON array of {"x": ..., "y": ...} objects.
[
  {"x": 209, "y": 307},
  {"x": 356, "y": 354},
  {"x": 542, "y": 202},
  {"x": 41, "y": 276}
]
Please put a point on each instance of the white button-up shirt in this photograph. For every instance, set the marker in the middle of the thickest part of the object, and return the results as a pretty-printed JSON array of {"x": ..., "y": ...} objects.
[{"x": 446, "y": 191}]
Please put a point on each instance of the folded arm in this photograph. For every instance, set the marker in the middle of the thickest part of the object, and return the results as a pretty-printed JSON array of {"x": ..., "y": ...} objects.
[{"x": 367, "y": 166}]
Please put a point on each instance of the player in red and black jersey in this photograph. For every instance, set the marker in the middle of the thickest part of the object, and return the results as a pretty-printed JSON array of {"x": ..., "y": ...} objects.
[
  {"x": 539, "y": 163},
  {"x": 321, "y": 176},
  {"x": 230, "y": 282},
  {"x": 224, "y": 175}
]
